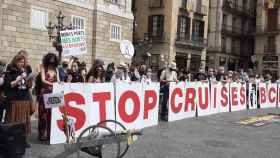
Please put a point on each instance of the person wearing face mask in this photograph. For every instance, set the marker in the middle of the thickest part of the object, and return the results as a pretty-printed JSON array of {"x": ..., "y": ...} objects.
[{"x": 16, "y": 89}]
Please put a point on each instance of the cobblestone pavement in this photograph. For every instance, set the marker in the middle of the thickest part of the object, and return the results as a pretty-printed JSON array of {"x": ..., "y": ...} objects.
[{"x": 205, "y": 137}]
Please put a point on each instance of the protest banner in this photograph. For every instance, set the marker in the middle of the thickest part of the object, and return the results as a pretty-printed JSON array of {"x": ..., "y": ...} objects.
[
  {"x": 238, "y": 96},
  {"x": 129, "y": 104},
  {"x": 252, "y": 100},
  {"x": 223, "y": 99},
  {"x": 182, "y": 100},
  {"x": 215, "y": 106},
  {"x": 267, "y": 95},
  {"x": 87, "y": 104},
  {"x": 203, "y": 99},
  {"x": 151, "y": 104},
  {"x": 73, "y": 42}
]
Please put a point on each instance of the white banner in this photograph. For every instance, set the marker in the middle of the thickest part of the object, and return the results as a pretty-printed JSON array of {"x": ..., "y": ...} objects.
[
  {"x": 268, "y": 95},
  {"x": 182, "y": 101},
  {"x": 238, "y": 96},
  {"x": 203, "y": 99},
  {"x": 87, "y": 104}
]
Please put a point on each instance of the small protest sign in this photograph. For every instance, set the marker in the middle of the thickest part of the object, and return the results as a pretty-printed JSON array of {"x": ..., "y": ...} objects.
[
  {"x": 73, "y": 42},
  {"x": 53, "y": 100}
]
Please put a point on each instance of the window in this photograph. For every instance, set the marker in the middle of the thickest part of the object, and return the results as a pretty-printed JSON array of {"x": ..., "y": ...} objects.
[
  {"x": 184, "y": 3},
  {"x": 233, "y": 45},
  {"x": 183, "y": 27},
  {"x": 224, "y": 19},
  {"x": 115, "y": 1},
  {"x": 39, "y": 18},
  {"x": 156, "y": 26},
  {"x": 245, "y": 4},
  {"x": 198, "y": 30},
  {"x": 224, "y": 44},
  {"x": 233, "y": 23},
  {"x": 78, "y": 22},
  {"x": 115, "y": 31}
]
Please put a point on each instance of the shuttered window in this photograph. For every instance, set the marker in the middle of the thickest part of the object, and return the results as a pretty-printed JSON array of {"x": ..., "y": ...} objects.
[
  {"x": 39, "y": 18},
  {"x": 115, "y": 31},
  {"x": 78, "y": 22},
  {"x": 156, "y": 26},
  {"x": 183, "y": 27}
]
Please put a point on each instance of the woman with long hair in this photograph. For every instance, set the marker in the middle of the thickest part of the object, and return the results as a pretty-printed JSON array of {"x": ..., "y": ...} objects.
[
  {"x": 96, "y": 73},
  {"x": 74, "y": 75},
  {"x": 16, "y": 87},
  {"x": 48, "y": 75}
]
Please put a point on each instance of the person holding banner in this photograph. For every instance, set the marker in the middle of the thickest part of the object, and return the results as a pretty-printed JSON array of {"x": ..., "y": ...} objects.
[
  {"x": 168, "y": 75},
  {"x": 49, "y": 74},
  {"x": 121, "y": 74},
  {"x": 16, "y": 88}
]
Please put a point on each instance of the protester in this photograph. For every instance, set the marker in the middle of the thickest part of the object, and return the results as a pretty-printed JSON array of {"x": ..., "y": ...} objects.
[
  {"x": 63, "y": 69},
  {"x": 2, "y": 95},
  {"x": 48, "y": 75},
  {"x": 200, "y": 76},
  {"x": 210, "y": 75},
  {"x": 16, "y": 86},
  {"x": 134, "y": 73},
  {"x": 74, "y": 75},
  {"x": 168, "y": 75},
  {"x": 121, "y": 74},
  {"x": 109, "y": 72},
  {"x": 147, "y": 76},
  {"x": 96, "y": 73},
  {"x": 220, "y": 74}
]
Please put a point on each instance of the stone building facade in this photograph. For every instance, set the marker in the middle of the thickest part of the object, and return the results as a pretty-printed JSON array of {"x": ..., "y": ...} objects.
[
  {"x": 175, "y": 30},
  {"x": 22, "y": 26},
  {"x": 267, "y": 49},
  {"x": 231, "y": 33}
]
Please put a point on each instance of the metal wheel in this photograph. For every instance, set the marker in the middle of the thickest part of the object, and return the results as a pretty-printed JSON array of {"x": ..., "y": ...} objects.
[
  {"x": 94, "y": 133},
  {"x": 123, "y": 145}
]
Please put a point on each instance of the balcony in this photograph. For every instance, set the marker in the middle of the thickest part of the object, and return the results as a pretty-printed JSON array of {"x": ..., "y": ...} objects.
[
  {"x": 159, "y": 38},
  {"x": 264, "y": 29},
  {"x": 201, "y": 10},
  {"x": 194, "y": 42},
  {"x": 237, "y": 9},
  {"x": 235, "y": 31},
  {"x": 269, "y": 50}
]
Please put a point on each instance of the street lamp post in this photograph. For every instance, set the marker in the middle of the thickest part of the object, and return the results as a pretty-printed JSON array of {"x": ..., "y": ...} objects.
[
  {"x": 55, "y": 38},
  {"x": 145, "y": 45}
]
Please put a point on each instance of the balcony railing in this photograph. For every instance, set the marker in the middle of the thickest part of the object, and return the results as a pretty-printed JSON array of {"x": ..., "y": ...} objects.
[
  {"x": 201, "y": 10},
  {"x": 235, "y": 30},
  {"x": 237, "y": 9},
  {"x": 269, "y": 50},
  {"x": 194, "y": 41},
  {"x": 266, "y": 29},
  {"x": 157, "y": 38}
]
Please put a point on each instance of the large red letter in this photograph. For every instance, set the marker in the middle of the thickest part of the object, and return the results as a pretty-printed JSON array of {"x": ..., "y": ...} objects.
[
  {"x": 149, "y": 105},
  {"x": 202, "y": 105},
  {"x": 176, "y": 92},
  {"x": 271, "y": 93},
  {"x": 190, "y": 96},
  {"x": 78, "y": 114},
  {"x": 234, "y": 96},
  {"x": 102, "y": 98},
  {"x": 242, "y": 95},
  {"x": 136, "y": 106},
  {"x": 224, "y": 96},
  {"x": 262, "y": 95}
]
